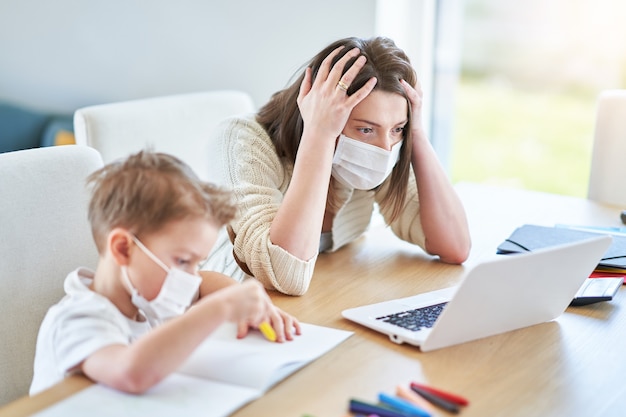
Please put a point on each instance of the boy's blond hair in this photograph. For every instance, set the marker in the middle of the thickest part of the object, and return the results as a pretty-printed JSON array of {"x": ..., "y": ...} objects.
[{"x": 145, "y": 191}]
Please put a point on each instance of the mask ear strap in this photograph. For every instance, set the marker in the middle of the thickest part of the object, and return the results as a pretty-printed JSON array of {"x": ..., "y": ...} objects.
[
  {"x": 126, "y": 278},
  {"x": 150, "y": 254}
]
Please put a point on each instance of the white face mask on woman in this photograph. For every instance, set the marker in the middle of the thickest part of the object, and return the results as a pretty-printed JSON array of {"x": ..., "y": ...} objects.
[
  {"x": 363, "y": 166},
  {"x": 177, "y": 293}
]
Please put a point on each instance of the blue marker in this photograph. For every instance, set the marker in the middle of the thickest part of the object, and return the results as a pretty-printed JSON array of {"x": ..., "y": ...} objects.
[{"x": 402, "y": 405}]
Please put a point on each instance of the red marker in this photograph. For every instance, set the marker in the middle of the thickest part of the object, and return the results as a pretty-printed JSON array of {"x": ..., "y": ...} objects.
[{"x": 456, "y": 399}]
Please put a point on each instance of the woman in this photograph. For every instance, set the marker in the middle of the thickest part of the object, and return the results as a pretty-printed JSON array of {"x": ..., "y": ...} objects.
[{"x": 308, "y": 168}]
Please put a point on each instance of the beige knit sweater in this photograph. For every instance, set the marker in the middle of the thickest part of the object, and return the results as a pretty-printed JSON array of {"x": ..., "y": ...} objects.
[{"x": 248, "y": 164}]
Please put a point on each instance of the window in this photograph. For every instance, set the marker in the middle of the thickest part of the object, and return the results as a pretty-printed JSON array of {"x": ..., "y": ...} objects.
[{"x": 529, "y": 77}]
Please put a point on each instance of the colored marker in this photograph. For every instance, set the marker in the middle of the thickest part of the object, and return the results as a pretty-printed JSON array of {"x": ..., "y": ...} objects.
[
  {"x": 438, "y": 401},
  {"x": 413, "y": 398},
  {"x": 402, "y": 405},
  {"x": 457, "y": 399},
  {"x": 268, "y": 331},
  {"x": 361, "y": 407}
]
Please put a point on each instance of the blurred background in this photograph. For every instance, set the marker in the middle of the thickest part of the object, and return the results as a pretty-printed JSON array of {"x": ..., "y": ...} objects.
[
  {"x": 529, "y": 76},
  {"x": 510, "y": 87}
]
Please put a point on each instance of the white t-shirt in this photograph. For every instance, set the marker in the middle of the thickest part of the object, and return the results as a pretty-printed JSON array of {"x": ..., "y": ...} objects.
[{"x": 76, "y": 327}]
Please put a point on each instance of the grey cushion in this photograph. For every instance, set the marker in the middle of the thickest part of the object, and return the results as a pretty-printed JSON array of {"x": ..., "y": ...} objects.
[{"x": 20, "y": 128}]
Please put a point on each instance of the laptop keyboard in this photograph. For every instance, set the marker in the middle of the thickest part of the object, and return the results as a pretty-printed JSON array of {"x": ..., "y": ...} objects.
[{"x": 416, "y": 319}]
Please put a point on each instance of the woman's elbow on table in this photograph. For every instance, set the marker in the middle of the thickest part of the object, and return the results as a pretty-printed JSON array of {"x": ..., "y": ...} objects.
[
  {"x": 288, "y": 283},
  {"x": 289, "y": 286},
  {"x": 455, "y": 253}
]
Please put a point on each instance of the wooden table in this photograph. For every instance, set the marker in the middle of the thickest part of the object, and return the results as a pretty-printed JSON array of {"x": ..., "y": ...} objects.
[{"x": 568, "y": 367}]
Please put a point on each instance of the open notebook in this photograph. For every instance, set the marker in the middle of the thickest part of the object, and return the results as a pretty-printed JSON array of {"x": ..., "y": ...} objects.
[
  {"x": 498, "y": 295},
  {"x": 222, "y": 375}
]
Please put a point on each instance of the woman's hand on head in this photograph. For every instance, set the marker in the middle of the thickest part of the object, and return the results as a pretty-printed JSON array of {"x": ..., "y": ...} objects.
[
  {"x": 324, "y": 105},
  {"x": 415, "y": 96}
]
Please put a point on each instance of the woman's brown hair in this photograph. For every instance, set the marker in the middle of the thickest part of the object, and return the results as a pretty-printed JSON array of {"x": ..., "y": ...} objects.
[{"x": 282, "y": 120}]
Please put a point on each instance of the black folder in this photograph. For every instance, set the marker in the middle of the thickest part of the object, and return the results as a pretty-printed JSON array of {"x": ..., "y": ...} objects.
[{"x": 529, "y": 237}]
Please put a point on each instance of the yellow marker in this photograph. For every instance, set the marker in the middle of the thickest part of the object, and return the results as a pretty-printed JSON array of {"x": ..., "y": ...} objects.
[{"x": 268, "y": 331}]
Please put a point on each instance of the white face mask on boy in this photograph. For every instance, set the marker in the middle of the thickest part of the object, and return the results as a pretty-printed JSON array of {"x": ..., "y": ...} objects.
[
  {"x": 363, "y": 166},
  {"x": 179, "y": 289}
]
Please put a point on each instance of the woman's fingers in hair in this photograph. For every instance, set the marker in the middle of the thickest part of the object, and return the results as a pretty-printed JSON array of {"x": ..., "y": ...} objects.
[
  {"x": 335, "y": 73},
  {"x": 414, "y": 94},
  {"x": 325, "y": 67},
  {"x": 305, "y": 86},
  {"x": 362, "y": 92},
  {"x": 342, "y": 82},
  {"x": 348, "y": 77}
]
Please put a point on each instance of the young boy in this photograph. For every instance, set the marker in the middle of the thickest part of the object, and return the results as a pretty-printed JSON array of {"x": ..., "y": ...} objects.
[{"x": 153, "y": 222}]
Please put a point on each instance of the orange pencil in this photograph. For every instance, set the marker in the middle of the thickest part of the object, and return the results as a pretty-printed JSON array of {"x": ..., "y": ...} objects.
[{"x": 413, "y": 398}]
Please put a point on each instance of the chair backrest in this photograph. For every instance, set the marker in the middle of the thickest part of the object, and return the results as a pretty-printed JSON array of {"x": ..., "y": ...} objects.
[
  {"x": 178, "y": 124},
  {"x": 607, "y": 179},
  {"x": 44, "y": 235}
]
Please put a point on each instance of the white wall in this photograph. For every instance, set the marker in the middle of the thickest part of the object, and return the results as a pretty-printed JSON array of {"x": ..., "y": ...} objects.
[{"x": 58, "y": 55}]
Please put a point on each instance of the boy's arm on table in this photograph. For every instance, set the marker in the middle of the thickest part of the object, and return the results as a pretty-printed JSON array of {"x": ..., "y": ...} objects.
[
  {"x": 213, "y": 281},
  {"x": 136, "y": 367}
]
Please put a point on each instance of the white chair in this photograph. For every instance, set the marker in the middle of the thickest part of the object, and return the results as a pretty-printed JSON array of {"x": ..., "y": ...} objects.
[
  {"x": 607, "y": 180},
  {"x": 44, "y": 236},
  {"x": 176, "y": 124}
]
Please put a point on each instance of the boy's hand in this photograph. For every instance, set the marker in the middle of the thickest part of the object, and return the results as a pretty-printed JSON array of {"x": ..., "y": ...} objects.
[
  {"x": 284, "y": 324},
  {"x": 248, "y": 304},
  {"x": 245, "y": 302}
]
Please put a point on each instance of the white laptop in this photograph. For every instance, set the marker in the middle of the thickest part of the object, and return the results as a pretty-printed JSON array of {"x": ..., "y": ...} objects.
[{"x": 501, "y": 294}]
